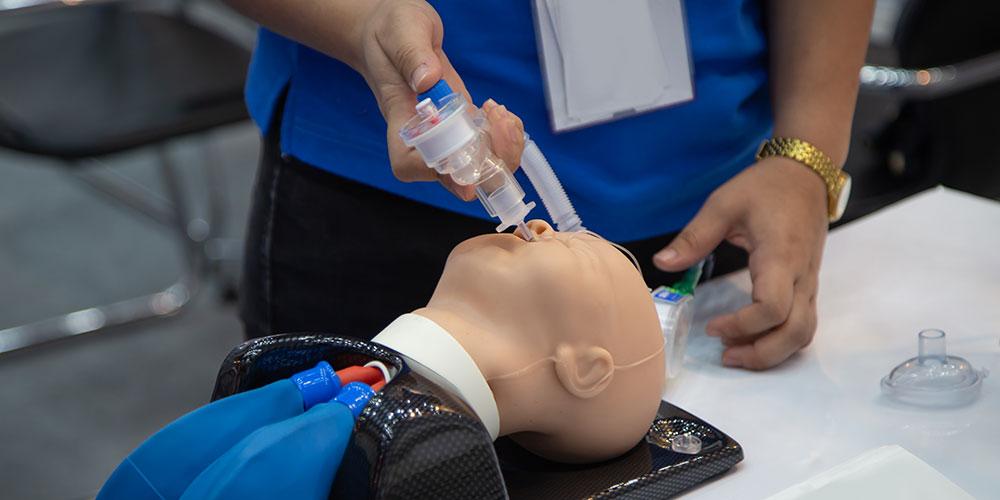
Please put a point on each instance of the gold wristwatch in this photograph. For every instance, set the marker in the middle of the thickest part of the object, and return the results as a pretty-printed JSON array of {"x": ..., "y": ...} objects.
[{"x": 838, "y": 183}]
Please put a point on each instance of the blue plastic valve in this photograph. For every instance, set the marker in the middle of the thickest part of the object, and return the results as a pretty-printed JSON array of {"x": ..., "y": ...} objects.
[
  {"x": 437, "y": 93},
  {"x": 355, "y": 396},
  {"x": 317, "y": 385}
]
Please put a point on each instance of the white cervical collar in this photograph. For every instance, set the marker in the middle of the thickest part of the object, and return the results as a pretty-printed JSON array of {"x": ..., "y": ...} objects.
[{"x": 433, "y": 353}]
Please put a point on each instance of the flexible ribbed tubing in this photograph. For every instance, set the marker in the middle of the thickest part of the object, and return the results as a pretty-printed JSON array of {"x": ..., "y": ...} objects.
[{"x": 548, "y": 187}]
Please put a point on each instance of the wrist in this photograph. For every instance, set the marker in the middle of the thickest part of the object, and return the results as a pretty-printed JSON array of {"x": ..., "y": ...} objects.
[
  {"x": 802, "y": 182},
  {"x": 838, "y": 183},
  {"x": 360, "y": 34},
  {"x": 829, "y": 138}
]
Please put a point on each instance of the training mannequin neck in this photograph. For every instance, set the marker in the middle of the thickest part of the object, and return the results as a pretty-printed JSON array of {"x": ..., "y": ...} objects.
[{"x": 433, "y": 353}]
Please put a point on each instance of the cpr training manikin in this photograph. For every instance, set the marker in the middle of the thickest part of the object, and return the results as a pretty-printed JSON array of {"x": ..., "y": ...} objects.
[
  {"x": 560, "y": 329},
  {"x": 553, "y": 342}
]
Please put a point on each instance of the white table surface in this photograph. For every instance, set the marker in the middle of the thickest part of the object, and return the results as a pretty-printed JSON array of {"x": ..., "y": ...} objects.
[{"x": 930, "y": 261}]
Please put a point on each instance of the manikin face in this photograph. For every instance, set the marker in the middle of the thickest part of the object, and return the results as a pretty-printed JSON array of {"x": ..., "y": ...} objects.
[{"x": 573, "y": 350}]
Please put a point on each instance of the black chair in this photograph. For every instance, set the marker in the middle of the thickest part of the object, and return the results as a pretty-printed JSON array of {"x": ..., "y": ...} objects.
[
  {"x": 927, "y": 118},
  {"x": 84, "y": 81}
]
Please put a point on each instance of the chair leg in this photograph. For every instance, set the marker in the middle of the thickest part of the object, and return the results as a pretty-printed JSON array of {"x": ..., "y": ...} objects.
[
  {"x": 215, "y": 179},
  {"x": 190, "y": 243},
  {"x": 160, "y": 304},
  {"x": 222, "y": 254},
  {"x": 123, "y": 191}
]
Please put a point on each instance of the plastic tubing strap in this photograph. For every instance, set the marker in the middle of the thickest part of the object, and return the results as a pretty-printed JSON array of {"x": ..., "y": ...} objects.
[{"x": 540, "y": 173}]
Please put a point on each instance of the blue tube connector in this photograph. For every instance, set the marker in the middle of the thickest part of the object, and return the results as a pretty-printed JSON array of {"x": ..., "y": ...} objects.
[
  {"x": 317, "y": 385},
  {"x": 355, "y": 396},
  {"x": 437, "y": 93}
]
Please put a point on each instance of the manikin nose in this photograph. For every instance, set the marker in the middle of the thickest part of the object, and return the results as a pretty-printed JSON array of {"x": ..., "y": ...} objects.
[{"x": 540, "y": 228}]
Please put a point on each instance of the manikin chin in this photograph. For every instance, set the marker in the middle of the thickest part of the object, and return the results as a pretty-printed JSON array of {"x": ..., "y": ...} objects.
[{"x": 553, "y": 342}]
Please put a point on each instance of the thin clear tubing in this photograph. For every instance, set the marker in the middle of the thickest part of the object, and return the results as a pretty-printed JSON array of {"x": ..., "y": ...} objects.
[{"x": 549, "y": 189}]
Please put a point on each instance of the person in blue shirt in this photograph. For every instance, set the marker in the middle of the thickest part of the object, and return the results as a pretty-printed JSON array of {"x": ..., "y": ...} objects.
[{"x": 343, "y": 234}]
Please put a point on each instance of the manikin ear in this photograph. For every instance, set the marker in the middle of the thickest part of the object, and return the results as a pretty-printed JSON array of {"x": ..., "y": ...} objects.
[{"x": 584, "y": 372}]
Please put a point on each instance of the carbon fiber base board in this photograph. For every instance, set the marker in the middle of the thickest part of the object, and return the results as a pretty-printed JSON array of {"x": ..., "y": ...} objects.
[
  {"x": 651, "y": 470},
  {"x": 416, "y": 440}
]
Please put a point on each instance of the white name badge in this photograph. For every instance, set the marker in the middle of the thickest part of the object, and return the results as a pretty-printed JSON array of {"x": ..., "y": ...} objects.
[{"x": 608, "y": 59}]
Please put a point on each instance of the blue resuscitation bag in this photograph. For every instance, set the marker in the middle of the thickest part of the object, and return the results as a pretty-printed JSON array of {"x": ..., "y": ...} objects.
[
  {"x": 296, "y": 458},
  {"x": 166, "y": 464}
]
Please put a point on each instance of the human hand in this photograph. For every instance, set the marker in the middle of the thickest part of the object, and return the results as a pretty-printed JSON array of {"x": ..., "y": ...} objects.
[
  {"x": 400, "y": 56},
  {"x": 776, "y": 210}
]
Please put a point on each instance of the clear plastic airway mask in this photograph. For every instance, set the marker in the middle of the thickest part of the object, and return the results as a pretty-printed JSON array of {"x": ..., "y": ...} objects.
[{"x": 934, "y": 378}]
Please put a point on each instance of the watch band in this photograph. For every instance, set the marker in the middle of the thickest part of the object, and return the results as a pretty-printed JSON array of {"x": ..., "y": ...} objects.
[{"x": 812, "y": 157}]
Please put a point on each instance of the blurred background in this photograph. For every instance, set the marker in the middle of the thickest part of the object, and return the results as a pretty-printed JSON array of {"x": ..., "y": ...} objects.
[{"x": 126, "y": 162}]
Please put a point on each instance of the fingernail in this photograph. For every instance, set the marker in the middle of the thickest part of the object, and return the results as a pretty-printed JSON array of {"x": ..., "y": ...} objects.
[
  {"x": 666, "y": 255},
  {"x": 730, "y": 359},
  {"x": 490, "y": 103},
  {"x": 418, "y": 75},
  {"x": 712, "y": 332}
]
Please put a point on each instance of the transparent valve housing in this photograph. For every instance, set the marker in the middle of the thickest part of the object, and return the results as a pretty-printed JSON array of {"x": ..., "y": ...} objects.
[
  {"x": 934, "y": 378},
  {"x": 454, "y": 141},
  {"x": 675, "y": 311}
]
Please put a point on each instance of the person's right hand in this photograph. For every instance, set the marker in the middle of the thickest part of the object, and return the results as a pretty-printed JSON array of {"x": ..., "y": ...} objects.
[{"x": 401, "y": 55}]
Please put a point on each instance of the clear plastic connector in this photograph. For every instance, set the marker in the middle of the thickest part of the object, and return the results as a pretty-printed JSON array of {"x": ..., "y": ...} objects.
[
  {"x": 688, "y": 444},
  {"x": 676, "y": 312},
  {"x": 454, "y": 141}
]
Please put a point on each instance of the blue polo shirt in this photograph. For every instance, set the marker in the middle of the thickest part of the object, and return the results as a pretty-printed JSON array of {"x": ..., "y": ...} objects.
[{"x": 629, "y": 179}]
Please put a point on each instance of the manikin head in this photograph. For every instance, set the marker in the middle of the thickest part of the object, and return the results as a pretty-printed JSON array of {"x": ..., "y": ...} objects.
[{"x": 565, "y": 332}]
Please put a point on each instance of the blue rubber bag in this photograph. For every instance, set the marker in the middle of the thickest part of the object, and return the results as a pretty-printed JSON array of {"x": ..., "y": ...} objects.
[
  {"x": 164, "y": 465},
  {"x": 296, "y": 459}
]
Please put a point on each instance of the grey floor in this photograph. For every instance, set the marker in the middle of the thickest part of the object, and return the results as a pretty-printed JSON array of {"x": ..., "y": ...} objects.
[{"x": 71, "y": 410}]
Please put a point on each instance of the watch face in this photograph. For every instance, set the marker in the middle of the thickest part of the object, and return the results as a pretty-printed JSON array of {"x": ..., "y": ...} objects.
[{"x": 845, "y": 193}]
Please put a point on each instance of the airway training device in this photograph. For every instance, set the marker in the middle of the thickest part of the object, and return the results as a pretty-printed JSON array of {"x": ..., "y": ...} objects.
[
  {"x": 454, "y": 141},
  {"x": 418, "y": 439}
]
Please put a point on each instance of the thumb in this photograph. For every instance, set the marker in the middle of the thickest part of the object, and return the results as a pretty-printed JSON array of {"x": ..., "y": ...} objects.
[
  {"x": 695, "y": 242},
  {"x": 413, "y": 48}
]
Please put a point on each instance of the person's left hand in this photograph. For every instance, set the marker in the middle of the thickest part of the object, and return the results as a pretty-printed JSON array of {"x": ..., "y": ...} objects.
[{"x": 776, "y": 210}]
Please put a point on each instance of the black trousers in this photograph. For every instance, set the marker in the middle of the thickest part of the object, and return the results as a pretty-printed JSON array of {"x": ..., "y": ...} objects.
[{"x": 326, "y": 254}]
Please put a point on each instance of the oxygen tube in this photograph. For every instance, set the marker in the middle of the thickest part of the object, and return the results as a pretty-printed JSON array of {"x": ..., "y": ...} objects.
[{"x": 549, "y": 189}]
